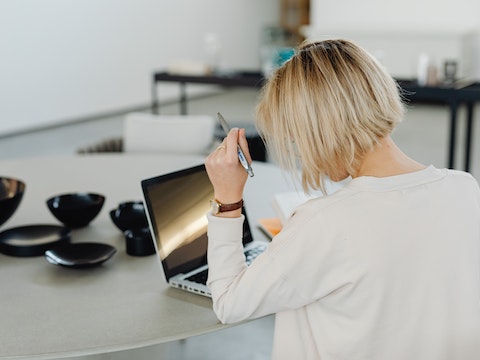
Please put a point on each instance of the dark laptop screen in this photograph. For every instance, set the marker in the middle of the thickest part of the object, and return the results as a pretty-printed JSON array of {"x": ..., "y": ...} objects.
[{"x": 177, "y": 204}]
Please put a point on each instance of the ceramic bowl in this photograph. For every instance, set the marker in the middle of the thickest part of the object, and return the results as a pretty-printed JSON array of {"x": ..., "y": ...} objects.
[
  {"x": 76, "y": 210},
  {"x": 11, "y": 193},
  {"x": 129, "y": 215},
  {"x": 80, "y": 255},
  {"x": 139, "y": 242}
]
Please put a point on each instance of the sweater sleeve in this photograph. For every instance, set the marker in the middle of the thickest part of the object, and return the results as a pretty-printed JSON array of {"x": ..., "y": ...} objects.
[
  {"x": 277, "y": 280},
  {"x": 241, "y": 292}
]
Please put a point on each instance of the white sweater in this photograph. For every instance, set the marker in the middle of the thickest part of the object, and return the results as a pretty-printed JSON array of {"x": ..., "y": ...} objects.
[{"x": 385, "y": 268}]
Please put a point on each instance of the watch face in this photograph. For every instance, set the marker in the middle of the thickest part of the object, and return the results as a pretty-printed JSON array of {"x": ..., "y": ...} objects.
[{"x": 215, "y": 207}]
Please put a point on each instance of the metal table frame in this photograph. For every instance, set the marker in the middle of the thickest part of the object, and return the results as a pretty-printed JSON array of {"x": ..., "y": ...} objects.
[{"x": 452, "y": 96}]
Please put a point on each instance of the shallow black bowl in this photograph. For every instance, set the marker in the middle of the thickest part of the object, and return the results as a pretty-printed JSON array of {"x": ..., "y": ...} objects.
[
  {"x": 129, "y": 215},
  {"x": 11, "y": 193},
  {"x": 77, "y": 209},
  {"x": 32, "y": 240},
  {"x": 80, "y": 255}
]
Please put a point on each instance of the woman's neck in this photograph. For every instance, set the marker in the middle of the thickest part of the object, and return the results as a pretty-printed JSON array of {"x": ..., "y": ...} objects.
[{"x": 386, "y": 159}]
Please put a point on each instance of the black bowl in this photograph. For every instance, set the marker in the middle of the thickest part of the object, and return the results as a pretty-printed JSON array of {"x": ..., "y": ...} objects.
[
  {"x": 129, "y": 215},
  {"x": 11, "y": 193},
  {"x": 77, "y": 209},
  {"x": 32, "y": 240},
  {"x": 80, "y": 255}
]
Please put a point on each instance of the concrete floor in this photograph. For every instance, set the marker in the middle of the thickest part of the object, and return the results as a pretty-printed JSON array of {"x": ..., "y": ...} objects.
[{"x": 423, "y": 135}]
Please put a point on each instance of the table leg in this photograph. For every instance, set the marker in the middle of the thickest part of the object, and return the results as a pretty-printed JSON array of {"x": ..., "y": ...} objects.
[
  {"x": 183, "y": 98},
  {"x": 453, "y": 131},
  {"x": 155, "y": 103},
  {"x": 468, "y": 135}
]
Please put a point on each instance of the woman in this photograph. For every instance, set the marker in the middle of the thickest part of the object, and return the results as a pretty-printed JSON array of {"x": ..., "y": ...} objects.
[{"x": 385, "y": 268}]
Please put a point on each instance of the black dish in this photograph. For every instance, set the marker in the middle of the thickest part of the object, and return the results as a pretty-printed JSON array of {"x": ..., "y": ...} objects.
[
  {"x": 80, "y": 255},
  {"x": 77, "y": 209},
  {"x": 129, "y": 215},
  {"x": 11, "y": 193},
  {"x": 139, "y": 242},
  {"x": 32, "y": 240}
]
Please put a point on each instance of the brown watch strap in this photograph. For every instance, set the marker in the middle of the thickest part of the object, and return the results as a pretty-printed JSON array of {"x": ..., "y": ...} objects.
[{"x": 229, "y": 207}]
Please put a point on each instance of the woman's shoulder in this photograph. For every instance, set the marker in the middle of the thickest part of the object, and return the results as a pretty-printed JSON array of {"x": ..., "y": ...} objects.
[
  {"x": 460, "y": 174},
  {"x": 322, "y": 204}
]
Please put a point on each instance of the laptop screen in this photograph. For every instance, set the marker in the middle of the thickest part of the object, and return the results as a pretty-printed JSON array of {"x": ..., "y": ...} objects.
[{"x": 177, "y": 204}]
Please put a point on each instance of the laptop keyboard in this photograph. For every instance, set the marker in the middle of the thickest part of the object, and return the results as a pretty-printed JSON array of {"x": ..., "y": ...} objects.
[
  {"x": 200, "y": 277},
  {"x": 250, "y": 255}
]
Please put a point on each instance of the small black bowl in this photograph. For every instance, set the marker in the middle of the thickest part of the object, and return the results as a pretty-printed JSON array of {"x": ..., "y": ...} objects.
[
  {"x": 76, "y": 210},
  {"x": 129, "y": 215},
  {"x": 11, "y": 193},
  {"x": 139, "y": 242}
]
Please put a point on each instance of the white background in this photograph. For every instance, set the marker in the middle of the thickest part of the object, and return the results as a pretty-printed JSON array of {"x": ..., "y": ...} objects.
[
  {"x": 61, "y": 60},
  {"x": 400, "y": 30}
]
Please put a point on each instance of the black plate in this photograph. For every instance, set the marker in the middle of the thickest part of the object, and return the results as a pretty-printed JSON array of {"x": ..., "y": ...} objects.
[
  {"x": 32, "y": 240},
  {"x": 80, "y": 255}
]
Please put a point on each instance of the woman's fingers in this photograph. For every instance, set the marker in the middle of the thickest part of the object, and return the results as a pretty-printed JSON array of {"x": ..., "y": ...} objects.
[
  {"x": 242, "y": 141},
  {"x": 227, "y": 175}
]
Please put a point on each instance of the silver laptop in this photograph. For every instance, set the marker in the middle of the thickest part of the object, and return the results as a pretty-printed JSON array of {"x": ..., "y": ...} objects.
[{"x": 176, "y": 206}]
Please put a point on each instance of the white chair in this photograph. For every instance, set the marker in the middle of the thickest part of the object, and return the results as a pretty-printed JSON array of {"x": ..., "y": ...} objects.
[{"x": 179, "y": 134}]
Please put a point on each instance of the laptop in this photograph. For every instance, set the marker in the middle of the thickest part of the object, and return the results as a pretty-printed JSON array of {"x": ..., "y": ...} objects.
[{"x": 176, "y": 205}]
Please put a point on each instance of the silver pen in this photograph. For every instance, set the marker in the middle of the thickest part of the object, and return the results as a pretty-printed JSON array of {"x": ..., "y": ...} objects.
[{"x": 241, "y": 155}]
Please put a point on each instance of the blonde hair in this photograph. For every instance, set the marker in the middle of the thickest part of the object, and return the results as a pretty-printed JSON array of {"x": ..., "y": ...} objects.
[{"x": 327, "y": 107}]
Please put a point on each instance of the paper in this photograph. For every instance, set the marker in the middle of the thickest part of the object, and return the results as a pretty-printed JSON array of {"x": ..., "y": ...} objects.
[
  {"x": 270, "y": 226},
  {"x": 284, "y": 204}
]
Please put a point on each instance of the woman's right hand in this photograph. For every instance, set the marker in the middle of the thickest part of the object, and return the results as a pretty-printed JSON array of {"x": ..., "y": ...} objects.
[{"x": 226, "y": 174}]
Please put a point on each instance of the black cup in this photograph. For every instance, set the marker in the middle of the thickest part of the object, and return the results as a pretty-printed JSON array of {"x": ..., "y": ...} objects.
[
  {"x": 129, "y": 215},
  {"x": 139, "y": 242}
]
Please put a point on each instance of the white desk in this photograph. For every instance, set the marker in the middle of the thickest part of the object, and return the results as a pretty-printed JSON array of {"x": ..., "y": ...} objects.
[{"x": 48, "y": 311}]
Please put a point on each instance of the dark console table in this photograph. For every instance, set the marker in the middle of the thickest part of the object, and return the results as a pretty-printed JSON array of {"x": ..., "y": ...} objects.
[
  {"x": 227, "y": 79},
  {"x": 452, "y": 96}
]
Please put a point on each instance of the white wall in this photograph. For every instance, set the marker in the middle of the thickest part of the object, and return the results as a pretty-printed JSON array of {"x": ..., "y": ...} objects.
[
  {"x": 63, "y": 60},
  {"x": 444, "y": 28}
]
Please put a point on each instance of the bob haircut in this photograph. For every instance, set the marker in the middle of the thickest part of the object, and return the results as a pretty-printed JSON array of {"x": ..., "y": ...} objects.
[{"x": 325, "y": 108}]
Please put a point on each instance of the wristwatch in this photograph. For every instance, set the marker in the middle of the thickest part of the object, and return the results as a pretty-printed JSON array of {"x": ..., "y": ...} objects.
[{"x": 218, "y": 207}]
